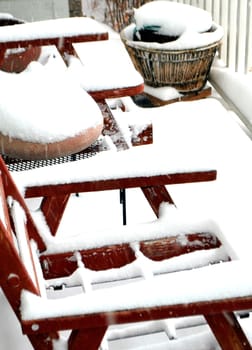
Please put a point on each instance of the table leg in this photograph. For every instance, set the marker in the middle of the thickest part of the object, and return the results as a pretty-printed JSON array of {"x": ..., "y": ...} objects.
[
  {"x": 123, "y": 203},
  {"x": 228, "y": 331},
  {"x": 53, "y": 209},
  {"x": 156, "y": 195},
  {"x": 89, "y": 338}
]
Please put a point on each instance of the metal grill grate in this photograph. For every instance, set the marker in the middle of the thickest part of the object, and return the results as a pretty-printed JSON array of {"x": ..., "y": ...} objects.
[{"x": 22, "y": 165}]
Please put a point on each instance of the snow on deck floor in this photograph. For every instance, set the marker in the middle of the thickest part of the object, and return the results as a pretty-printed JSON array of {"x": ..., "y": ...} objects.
[{"x": 205, "y": 126}]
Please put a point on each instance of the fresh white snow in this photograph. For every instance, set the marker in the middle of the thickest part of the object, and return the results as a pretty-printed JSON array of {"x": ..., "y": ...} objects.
[
  {"x": 179, "y": 223},
  {"x": 104, "y": 65},
  {"x": 188, "y": 39},
  {"x": 218, "y": 281},
  {"x": 51, "y": 29},
  {"x": 191, "y": 27},
  {"x": 35, "y": 102},
  {"x": 172, "y": 18},
  {"x": 230, "y": 83},
  {"x": 185, "y": 131}
]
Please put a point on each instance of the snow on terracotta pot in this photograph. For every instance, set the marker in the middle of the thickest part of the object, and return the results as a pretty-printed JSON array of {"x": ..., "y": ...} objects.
[
  {"x": 16, "y": 60},
  {"x": 172, "y": 44},
  {"x": 45, "y": 114}
]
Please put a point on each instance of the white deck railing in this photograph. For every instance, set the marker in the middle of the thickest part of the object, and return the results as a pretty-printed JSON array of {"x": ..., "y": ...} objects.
[{"x": 236, "y": 18}]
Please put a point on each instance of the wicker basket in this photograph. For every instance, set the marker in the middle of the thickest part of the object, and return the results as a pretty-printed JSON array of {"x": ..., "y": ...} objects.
[{"x": 186, "y": 70}]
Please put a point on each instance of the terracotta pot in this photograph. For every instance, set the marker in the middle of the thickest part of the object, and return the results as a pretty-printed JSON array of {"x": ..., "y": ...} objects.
[
  {"x": 16, "y": 148},
  {"x": 16, "y": 60}
]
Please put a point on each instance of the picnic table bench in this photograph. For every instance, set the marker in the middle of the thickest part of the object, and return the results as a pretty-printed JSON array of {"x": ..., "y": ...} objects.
[{"x": 69, "y": 262}]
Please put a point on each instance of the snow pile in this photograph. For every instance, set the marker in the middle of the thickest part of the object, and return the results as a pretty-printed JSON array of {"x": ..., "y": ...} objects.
[
  {"x": 218, "y": 281},
  {"x": 4, "y": 15},
  {"x": 188, "y": 40},
  {"x": 171, "y": 222},
  {"x": 103, "y": 65},
  {"x": 43, "y": 105},
  {"x": 236, "y": 86},
  {"x": 190, "y": 27},
  {"x": 172, "y": 18},
  {"x": 134, "y": 162},
  {"x": 53, "y": 28}
]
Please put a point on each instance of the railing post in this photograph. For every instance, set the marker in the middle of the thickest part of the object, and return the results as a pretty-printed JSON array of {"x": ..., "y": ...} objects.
[
  {"x": 236, "y": 18},
  {"x": 75, "y": 8}
]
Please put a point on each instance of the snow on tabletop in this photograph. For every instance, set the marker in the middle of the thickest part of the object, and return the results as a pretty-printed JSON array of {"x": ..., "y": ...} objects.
[
  {"x": 104, "y": 65},
  {"x": 37, "y": 101},
  {"x": 218, "y": 281},
  {"x": 51, "y": 29},
  {"x": 136, "y": 162},
  {"x": 187, "y": 136},
  {"x": 172, "y": 18}
]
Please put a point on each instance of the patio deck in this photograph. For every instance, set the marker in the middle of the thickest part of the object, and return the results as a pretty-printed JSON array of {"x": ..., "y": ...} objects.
[{"x": 229, "y": 198}]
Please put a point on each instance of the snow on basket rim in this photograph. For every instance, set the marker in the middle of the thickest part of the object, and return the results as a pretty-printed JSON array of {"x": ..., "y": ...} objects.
[
  {"x": 44, "y": 106},
  {"x": 173, "y": 18},
  {"x": 188, "y": 40}
]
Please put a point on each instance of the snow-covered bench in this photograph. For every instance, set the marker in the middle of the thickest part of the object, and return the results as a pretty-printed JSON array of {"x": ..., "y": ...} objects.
[
  {"x": 59, "y": 32},
  {"x": 91, "y": 65},
  {"x": 171, "y": 281}
]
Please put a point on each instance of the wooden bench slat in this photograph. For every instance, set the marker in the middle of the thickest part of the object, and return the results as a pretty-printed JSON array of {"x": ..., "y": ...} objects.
[
  {"x": 115, "y": 256},
  {"x": 174, "y": 295}
]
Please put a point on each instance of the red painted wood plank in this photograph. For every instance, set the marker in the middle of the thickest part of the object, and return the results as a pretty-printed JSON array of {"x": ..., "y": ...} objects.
[
  {"x": 114, "y": 256},
  {"x": 116, "y": 93},
  {"x": 156, "y": 195},
  {"x": 90, "y": 339},
  {"x": 228, "y": 331},
  {"x": 64, "y": 43},
  {"x": 104, "y": 185},
  {"x": 59, "y": 42},
  {"x": 142, "y": 314},
  {"x": 53, "y": 210}
]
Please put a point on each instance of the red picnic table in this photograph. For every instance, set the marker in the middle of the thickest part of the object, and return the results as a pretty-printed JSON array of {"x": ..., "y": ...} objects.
[
  {"x": 65, "y": 34},
  {"x": 89, "y": 328}
]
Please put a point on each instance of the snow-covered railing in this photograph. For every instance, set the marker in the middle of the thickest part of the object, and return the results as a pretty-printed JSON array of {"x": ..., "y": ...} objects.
[
  {"x": 232, "y": 80},
  {"x": 236, "y": 18}
]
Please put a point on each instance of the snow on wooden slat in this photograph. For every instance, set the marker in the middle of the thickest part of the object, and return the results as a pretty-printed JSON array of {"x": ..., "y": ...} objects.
[
  {"x": 56, "y": 28},
  {"x": 219, "y": 281}
]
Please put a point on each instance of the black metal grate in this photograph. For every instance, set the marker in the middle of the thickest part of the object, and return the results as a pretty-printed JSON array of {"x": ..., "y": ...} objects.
[{"x": 22, "y": 164}]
